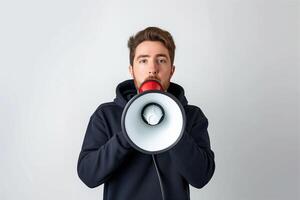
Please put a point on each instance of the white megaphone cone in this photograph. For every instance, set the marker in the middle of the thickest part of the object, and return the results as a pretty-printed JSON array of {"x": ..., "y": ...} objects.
[{"x": 153, "y": 121}]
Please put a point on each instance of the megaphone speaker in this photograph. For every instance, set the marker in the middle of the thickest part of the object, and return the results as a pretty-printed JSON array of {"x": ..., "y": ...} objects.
[{"x": 153, "y": 121}]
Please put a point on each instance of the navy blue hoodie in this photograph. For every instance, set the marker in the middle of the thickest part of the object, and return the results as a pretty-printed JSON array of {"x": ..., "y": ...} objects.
[{"x": 106, "y": 157}]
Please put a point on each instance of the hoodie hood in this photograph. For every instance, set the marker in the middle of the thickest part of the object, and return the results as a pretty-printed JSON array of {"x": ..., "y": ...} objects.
[{"x": 126, "y": 90}]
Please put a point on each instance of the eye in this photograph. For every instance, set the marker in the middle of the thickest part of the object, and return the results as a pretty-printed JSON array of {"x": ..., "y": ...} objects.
[
  {"x": 162, "y": 61},
  {"x": 143, "y": 61}
]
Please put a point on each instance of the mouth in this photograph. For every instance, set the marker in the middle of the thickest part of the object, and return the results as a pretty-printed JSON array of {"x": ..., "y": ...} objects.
[{"x": 152, "y": 78}]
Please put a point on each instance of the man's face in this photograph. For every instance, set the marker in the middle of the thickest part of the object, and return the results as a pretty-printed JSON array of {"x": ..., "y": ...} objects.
[{"x": 151, "y": 61}]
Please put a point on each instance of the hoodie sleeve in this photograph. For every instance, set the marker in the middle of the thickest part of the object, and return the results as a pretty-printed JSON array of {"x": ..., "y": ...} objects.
[
  {"x": 192, "y": 155},
  {"x": 100, "y": 154}
]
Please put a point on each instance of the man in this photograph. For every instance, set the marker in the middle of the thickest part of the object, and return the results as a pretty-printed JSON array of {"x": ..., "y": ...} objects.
[{"x": 106, "y": 156}]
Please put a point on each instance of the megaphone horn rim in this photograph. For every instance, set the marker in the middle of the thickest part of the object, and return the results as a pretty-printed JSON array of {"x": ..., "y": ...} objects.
[{"x": 124, "y": 113}]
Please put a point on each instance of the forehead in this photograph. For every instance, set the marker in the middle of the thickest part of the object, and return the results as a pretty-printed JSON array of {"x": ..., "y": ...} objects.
[{"x": 151, "y": 48}]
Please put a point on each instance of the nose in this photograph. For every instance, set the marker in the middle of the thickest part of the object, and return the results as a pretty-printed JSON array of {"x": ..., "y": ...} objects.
[{"x": 153, "y": 69}]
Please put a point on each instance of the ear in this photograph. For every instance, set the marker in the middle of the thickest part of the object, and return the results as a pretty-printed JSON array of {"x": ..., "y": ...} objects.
[
  {"x": 130, "y": 69},
  {"x": 172, "y": 70}
]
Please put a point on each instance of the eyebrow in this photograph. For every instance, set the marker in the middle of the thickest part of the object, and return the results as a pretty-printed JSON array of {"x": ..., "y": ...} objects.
[
  {"x": 162, "y": 55},
  {"x": 147, "y": 56},
  {"x": 142, "y": 56}
]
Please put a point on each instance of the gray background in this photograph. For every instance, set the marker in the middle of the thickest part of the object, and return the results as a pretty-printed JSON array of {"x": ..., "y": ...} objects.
[{"x": 237, "y": 60}]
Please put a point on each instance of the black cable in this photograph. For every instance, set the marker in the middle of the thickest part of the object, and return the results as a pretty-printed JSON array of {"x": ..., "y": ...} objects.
[{"x": 159, "y": 178}]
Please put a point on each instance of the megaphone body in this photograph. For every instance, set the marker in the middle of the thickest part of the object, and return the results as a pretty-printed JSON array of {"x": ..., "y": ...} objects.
[{"x": 153, "y": 121}]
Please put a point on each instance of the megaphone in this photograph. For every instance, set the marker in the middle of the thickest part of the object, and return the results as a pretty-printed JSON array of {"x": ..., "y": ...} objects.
[{"x": 153, "y": 121}]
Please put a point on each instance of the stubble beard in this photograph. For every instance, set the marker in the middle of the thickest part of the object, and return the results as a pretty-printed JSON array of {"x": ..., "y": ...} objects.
[{"x": 137, "y": 84}]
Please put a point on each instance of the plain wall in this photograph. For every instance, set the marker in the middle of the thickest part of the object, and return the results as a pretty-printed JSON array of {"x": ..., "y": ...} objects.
[{"x": 237, "y": 60}]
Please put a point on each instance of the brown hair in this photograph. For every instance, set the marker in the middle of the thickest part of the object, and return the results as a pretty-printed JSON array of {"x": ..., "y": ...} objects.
[{"x": 152, "y": 34}]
